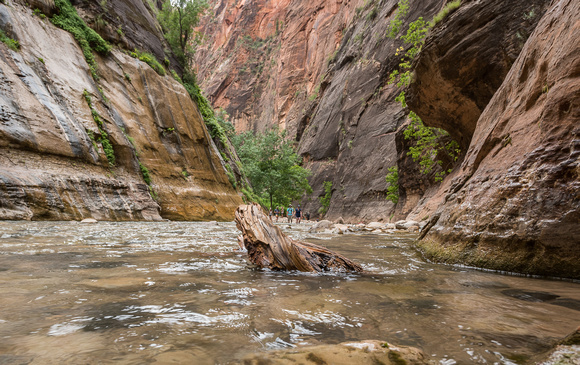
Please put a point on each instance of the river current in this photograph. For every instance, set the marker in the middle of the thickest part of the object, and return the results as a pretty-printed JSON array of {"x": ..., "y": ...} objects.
[{"x": 180, "y": 292}]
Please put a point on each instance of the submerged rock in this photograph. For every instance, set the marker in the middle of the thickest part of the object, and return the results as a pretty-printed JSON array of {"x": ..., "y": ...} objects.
[{"x": 347, "y": 353}]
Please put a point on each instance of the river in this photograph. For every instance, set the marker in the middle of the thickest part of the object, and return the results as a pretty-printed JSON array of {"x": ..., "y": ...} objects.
[{"x": 140, "y": 292}]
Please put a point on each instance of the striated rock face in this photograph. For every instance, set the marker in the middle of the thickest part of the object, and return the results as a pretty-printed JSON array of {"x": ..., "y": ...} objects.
[
  {"x": 264, "y": 60},
  {"x": 500, "y": 76},
  {"x": 514, "y": 204},
  {"x": 51, "y": 164}
]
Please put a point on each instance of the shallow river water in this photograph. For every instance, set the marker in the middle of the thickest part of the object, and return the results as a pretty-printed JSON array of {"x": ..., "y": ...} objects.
[{"x": 174, "y": 292}]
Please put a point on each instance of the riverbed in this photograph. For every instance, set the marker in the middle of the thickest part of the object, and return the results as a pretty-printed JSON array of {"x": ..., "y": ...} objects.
[{"x": 140, "y": 292}]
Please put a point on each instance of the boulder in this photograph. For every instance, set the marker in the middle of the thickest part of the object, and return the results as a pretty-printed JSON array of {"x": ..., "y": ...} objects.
[
  {"x": 89, "y": 220},
  {"x": 321, "y": 226},
  {"x": 406, "y": 224},
  {"x": 375, "y": 225},
  {"x": 341, "y": 228},
  {"x": 390, "y": 226}
]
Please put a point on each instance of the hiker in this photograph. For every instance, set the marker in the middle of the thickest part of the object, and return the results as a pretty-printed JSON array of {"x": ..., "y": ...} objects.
[
  {"x": 298, "y": 214},
  {"x": 270, "y": 213},
  {"x": 277, "y": 213},
  {"x": 290, "y": 213}
]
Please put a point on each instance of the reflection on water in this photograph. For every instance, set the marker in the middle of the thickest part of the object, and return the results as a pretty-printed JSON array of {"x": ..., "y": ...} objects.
[{"x": 146, "y": 292}]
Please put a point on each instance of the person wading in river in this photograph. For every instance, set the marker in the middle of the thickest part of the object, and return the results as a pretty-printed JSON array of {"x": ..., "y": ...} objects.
[
  {"x": 276, "y": 213},
  {"x": 290, "y": 213},
  {"x": 298, "y": 214}
]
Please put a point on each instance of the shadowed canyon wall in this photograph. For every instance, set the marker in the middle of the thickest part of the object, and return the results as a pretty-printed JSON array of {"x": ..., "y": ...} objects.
[{"x": 52, "y": 165}]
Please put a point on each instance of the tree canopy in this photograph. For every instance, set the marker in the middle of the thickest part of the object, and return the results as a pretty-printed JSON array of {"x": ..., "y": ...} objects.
[
  {"x": 178, "y": 19},
  {"x": 272, "y": 166}
]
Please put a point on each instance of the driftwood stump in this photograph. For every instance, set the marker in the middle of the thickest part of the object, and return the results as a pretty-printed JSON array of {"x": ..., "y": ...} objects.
[{"x": 269, "y": 248}]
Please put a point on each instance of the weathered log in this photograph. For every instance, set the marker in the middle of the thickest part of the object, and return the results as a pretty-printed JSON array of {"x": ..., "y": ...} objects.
[{"x": 269, "y": 248}]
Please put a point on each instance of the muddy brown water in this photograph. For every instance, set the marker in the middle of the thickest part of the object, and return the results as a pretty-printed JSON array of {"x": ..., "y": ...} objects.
[{"x": 174, "y": 292}]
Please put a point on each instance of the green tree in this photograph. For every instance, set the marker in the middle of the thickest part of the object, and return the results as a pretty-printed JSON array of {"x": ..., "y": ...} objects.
[
  {"x": 178, "y": 19},
  {"x": 325, "y": 200},
  {"x": 393, "y": 180},
  {"x": 272, "y": 166}
]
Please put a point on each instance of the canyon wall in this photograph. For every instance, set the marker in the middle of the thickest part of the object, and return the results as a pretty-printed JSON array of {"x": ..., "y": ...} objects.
[
  {"x": 514, "y": 203},
  {"x": 319, "y": 70},
  {"x": 161, "y": 162}
]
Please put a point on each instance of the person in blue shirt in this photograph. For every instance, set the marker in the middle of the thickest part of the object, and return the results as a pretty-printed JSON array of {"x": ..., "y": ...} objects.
[{"x": 290, "y": 213}]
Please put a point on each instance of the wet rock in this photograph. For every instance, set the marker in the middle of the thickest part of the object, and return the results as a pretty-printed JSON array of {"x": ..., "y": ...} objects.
[
  {"x": 390, "y": 226},
  {"x": 406, "y": 224},
  {"x": 566, "y": 352},
  {"x": 347, "y": 353},
  {"x": 89, "y": 220},
  {"x": 341, "y": 228}
]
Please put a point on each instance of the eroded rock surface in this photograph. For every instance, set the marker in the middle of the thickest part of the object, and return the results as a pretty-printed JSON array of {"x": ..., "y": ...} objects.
[
  {"x": 465, "y": 60},
  {"x": 514, "y": 204},
  {"x": 51, "y": 164},
  {"x": 362, "y": 352}
]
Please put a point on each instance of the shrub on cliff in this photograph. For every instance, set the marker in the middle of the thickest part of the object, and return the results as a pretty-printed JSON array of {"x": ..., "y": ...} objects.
[
  {"x": 68, "y": 19},
  {"x": 178, "y": 20}
]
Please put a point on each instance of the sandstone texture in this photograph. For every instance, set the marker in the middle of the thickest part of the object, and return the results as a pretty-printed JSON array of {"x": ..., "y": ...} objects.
[
  {"x": 51, "y": 164},
  {"x": 514, "y": 203},
  {"x": 465, "y": 60},
  {"x": 362, "y": 352}
]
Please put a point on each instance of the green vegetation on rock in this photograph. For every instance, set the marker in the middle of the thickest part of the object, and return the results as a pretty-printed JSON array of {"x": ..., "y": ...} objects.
[
  {"x": 397, "y": 21},
  {"x": 445, "y": 11},
  {"x": 104, "y": 137},
  {"x": 11, "y": 43},
  {"x": 393, "y": 188},
  {"x": 325, "y": 200},
  {"x": 89, "y": 41},
  {"x": 149, "y": 59},
  {"x": 429, "y": 142}
]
